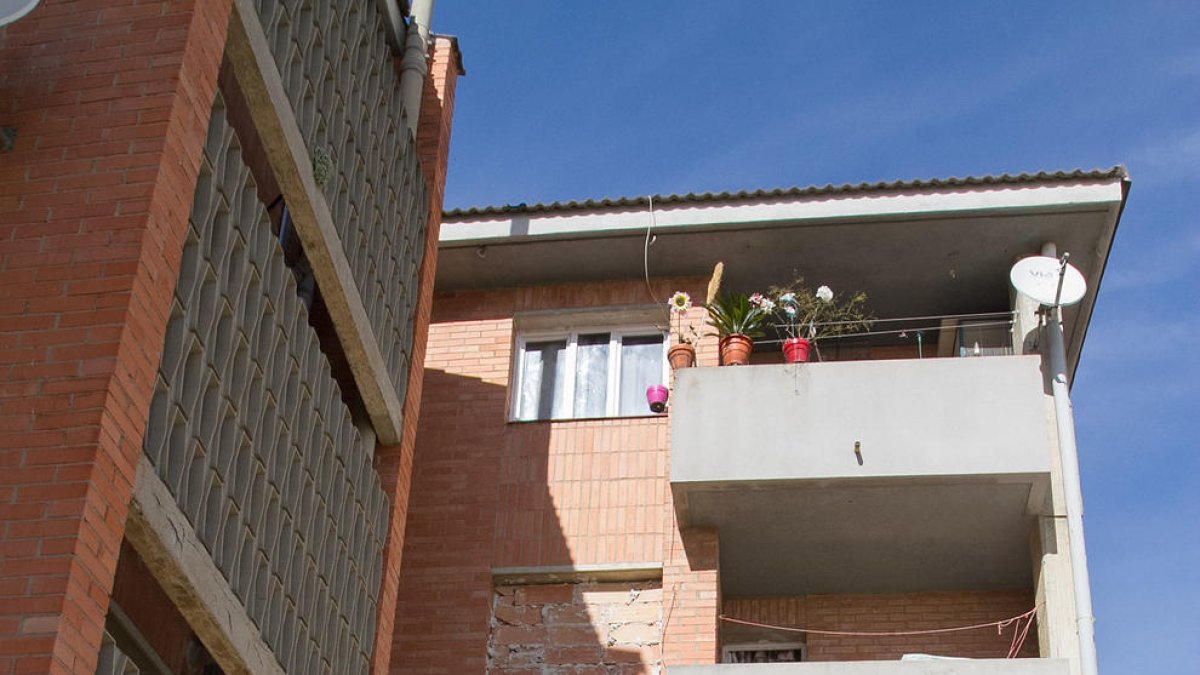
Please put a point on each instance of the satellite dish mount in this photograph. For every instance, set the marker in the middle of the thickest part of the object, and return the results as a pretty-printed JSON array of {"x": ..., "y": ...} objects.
[{"x": 1054, "y": 282}]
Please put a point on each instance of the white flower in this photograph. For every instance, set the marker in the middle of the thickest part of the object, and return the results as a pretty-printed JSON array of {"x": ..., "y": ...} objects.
[
  {"x": 680, "y": 302},
  {"x": 766, "y": 305},
  {"x": 824, "y": 294},
  {"x": 790, "y": 309}
]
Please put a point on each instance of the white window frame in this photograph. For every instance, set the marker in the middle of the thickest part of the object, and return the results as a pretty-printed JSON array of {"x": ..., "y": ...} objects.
[
  {"x": 727, "y": 650},
  {"x": 615, "y": 335}
]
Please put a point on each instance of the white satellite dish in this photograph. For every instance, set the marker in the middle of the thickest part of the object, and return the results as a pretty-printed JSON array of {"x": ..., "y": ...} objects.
[
  {"x": 11, "y": 10},
  {"x": 1038, "y": 276}
]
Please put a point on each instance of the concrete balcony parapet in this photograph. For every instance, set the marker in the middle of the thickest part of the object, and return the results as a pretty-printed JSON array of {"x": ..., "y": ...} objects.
[
  {"x": 909, "y": 418},
  {"x": 865, "y": 476}
]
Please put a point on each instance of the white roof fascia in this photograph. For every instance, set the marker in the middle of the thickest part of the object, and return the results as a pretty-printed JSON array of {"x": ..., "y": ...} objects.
[{"x": 623, "y": 220}]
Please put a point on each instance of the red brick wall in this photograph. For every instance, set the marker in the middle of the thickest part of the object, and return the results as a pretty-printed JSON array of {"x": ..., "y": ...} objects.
[
  {"x": 582, "y": 492},
  {"x": 394, "y": 463},
  {"x": 139, "y": 595},
  {"x": 612, "y": 628},
  {"x": 111, "y": 101},
  {"x": 692, "y": 597},
  {"x": 437, "y": 117},
  {"x": 881, "y": 613},
  {"x": 488, "y": 493}
]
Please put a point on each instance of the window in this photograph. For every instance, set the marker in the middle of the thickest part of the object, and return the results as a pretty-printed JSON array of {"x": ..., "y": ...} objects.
[
  {"x": 985, "y": 338},
  {"x": 764, "y": 652},
  {"x": 590, "y": 373}
]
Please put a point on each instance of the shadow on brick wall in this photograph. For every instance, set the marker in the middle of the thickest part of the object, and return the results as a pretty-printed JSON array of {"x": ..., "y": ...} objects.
[{"x": 481, "y": 501}]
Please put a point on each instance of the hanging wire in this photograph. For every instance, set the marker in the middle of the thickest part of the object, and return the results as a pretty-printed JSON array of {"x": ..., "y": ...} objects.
[
  {"x": 898, "y": 331},
  {"x": 999, "y": 624},
  {"x": 646, "y": 253},
  {"x": 919, "y": 318},
  {"x": 1019, "y": 635}
]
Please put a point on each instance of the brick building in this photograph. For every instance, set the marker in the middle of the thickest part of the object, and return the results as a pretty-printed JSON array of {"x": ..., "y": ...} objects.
[
  {"x": 239, "y": 432},
  {"x": 218, "y": 234},
  {"x": 894, "y": 484}
]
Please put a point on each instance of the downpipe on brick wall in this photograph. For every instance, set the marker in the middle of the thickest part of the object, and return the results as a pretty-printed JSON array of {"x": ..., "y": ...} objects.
[{"x": 414, "y": 64}]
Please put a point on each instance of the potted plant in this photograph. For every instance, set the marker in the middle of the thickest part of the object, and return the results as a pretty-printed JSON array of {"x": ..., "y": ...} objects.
[
  {"x": 738, "y": 318},
  {"x": 683, "y": 353},
  {"x": 809, "y": 315}
]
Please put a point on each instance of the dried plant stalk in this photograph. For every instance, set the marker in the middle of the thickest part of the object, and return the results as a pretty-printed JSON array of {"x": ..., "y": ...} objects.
[{"x": 714, "y": 284}]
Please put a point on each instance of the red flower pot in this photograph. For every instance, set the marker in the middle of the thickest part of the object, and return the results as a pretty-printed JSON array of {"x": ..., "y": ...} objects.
[
  {"x": 735, "y": 350},
  {"x": 681, "y": 356},
  {"x": 795, "y": 350}
]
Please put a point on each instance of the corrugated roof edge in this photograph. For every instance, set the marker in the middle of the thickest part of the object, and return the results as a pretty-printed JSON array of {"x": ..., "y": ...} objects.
[{"x": 1117, "y": 171}]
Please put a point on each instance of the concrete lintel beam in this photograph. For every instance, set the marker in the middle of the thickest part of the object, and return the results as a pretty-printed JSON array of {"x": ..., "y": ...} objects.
[
  {"x": 168, "y": 544},
  {"x": 559, "y": 574},
  {"x": 258, "y": 77}
]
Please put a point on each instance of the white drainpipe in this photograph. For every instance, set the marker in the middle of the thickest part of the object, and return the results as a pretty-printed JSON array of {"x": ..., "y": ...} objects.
[
  {"x": 414, "y": 65},
  {"x": 422, "y": 15},
  {"x": 1069, "y": 456}
]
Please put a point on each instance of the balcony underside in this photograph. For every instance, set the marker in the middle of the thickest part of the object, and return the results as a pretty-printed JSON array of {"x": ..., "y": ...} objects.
[
  {"x": 864, "y": 477},
  {"x": 957, "y": 667},
  {"x": 877, "y": 537}
]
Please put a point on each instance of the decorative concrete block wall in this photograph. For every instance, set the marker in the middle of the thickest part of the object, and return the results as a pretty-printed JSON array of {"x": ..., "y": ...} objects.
[
  {"x": 337, "y": 69},
  {"x": 248, "y": 431}
]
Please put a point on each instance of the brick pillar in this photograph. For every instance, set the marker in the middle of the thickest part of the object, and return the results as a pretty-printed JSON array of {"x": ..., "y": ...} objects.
[
  {"x": 691, "y": 598},
  {"x": 394, "y": 463},
  {"x": 110, "y": 99}
]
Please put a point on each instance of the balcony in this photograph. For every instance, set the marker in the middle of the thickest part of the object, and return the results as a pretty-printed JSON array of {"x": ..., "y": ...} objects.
[
  {"x": 963, "y": 667},
  {"x": 866, "y": 476}
]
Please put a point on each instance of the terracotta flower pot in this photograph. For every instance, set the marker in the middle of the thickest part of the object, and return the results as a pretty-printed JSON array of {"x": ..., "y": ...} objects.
[
  {"x": 681, "y": 356},
  {"x": 736, "y": 350},
  {"x": 656, "y": 396},
  {"x": 795, "y": 350}
]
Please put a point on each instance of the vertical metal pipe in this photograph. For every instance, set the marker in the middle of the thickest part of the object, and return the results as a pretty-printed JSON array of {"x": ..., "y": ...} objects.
[
  {"x": 1073, "y": 494},
  {"x": 422, "y": 16},
  {"x": 414, "y": 65}
]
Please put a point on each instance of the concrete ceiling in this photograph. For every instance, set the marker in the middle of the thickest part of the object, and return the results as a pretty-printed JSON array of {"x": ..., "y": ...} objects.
[
  {"x": 929, "y": 262},
  {"x": 821, "y": 539},
  {"x": 906, "y": 266}
]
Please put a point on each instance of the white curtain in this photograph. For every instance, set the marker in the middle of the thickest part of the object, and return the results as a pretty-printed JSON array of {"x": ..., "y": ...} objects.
[
  {"x": 591, "y": 375},
  {"x": 641, "y": 367},
  {"x": 543, "y": 381}
]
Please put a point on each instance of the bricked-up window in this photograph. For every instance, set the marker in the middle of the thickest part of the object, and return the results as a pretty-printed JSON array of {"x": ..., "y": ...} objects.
[{"x": 592, "y": 373}]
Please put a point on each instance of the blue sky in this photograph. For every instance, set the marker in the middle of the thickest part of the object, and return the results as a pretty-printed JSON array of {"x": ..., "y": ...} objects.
[{"x": 586, "y": 100}]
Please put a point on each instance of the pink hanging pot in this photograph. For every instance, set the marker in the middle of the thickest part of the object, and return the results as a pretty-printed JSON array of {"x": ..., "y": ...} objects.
[{"x": 656, "y": 396}]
